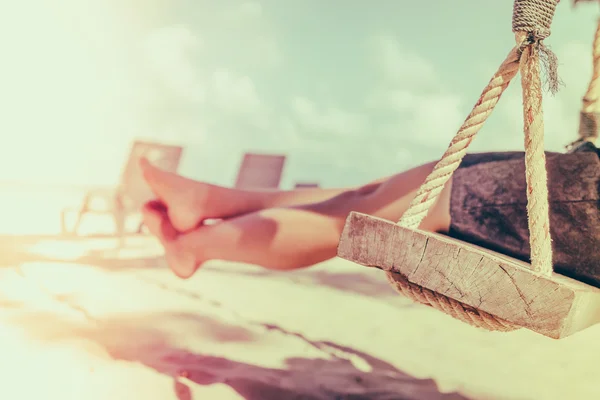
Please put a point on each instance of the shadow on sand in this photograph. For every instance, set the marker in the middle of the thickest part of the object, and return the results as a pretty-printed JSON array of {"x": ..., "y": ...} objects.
[
  {"x": 370, "y": 284},
  {"x": 154, "y": 340},
  {"x": 151, "y": 339}
]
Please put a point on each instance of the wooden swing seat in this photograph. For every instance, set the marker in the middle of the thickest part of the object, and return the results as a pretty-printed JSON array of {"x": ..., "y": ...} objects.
[
  {"x": 478, "y": 286},
  {"x": 555, "y": 306}
]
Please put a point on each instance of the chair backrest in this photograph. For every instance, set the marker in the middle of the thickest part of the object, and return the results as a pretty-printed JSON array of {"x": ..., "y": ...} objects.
[
  {"x": 133, "y": 186},
  {"x": 306, "y": 185},
  {"x": 260, "y": 171}
]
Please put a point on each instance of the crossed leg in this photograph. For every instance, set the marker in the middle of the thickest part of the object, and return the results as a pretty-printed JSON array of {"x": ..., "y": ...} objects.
[{"x": 281, "y": 230}]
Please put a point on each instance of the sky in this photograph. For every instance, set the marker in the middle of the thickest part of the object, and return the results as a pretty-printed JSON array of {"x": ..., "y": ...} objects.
[{"x": 349, "y": 91}]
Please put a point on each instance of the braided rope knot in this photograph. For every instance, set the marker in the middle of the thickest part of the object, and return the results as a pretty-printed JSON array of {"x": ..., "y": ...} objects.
[{"x": 534, "y": 17}]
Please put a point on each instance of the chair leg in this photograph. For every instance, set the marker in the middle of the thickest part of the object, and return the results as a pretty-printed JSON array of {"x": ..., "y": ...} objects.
[
  {"x": 80, "y": 213},
  {"x": 63, "y": 222},
  {"x": 120, "y": 227},
  {"x": 119, "y": 217}
]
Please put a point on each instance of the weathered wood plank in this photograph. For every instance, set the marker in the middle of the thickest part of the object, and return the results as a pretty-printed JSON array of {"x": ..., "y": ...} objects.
[{"x": 555, "y": 306}]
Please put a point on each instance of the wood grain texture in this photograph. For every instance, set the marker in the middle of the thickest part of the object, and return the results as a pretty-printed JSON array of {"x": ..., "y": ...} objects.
[
  {"x": 489, "y": 208},
  {"x": 555, "y": 306}
]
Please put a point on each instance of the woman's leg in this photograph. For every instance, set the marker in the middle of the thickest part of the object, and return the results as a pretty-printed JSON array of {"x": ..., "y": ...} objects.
[
  {"x": 286, "y": 238},
  {"x": 190, "y": 202}
]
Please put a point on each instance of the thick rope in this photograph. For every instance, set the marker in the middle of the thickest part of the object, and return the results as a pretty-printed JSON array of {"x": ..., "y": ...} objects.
[
  {"x": 434, "y": 183},
  {"x": 532, "y": 25},
  {"x": 532, "y": 33},
  {"x": 589, "y": 118},
  {"x": 430, "y": 190},
  {"x": 455, "y": 309},
  {"x": 590, "y": 112},
  {"x": 535, "y": 161}
]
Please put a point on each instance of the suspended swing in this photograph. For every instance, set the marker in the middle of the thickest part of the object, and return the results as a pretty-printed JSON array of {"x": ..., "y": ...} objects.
[{"x": 476, "y": 285}]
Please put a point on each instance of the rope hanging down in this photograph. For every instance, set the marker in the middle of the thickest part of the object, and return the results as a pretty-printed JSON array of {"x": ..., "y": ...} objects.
[
  {"x": 434, "y": 183},
  {"x": 531, "y": 22},
  {"x": 533, "y": 31},
  {"x": 589, "y": 122},
  {"x": 535, "y": 162}
]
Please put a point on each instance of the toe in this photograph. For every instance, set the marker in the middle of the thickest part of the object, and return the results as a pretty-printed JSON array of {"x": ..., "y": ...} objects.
[{"x": 157, "y": 222}]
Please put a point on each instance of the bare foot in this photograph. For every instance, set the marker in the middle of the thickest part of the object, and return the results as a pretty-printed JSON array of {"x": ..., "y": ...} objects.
[
  {"x": 182, "y": 262},
  {"x": 274, "y": 238},
  {"x": 190, "y": 202}
]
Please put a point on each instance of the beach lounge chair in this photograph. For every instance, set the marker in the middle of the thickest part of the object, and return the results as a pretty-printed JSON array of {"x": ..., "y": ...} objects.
[
  {"x": 132, "y": 191},
  {"x": 306, "y": 185},
  {"x": 260, "y": 171}
]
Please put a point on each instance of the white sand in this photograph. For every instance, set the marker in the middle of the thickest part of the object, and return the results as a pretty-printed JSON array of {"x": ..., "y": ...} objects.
[{"x": 78, "y": 321}]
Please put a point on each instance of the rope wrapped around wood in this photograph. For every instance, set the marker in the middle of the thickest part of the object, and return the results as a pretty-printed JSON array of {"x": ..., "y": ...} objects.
[
  {"x": 532, "y": 25},
  {"x": 534, "y": 16}
]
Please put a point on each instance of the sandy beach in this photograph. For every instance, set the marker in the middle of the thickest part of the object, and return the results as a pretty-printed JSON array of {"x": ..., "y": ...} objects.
[
  {"x": 79, "y": 320},
  {"x": 357, "y": 98}
]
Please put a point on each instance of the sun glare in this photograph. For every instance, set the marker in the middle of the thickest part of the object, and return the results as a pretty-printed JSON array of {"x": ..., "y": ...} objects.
[{"x": 67, "y": 84}]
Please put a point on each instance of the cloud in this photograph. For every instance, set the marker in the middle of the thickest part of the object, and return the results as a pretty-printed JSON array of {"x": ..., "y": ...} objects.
[
  {"x": 99, "y": 76},
  {"x": 325, "y": 122},
  {"x": 241, "y": 34},
  {"x": 190, "y": 99},
  {"x": 249, "y": 9},
  {"x": 404, "y": 120},
  {"x": 257, "y": 34},
  {"x": 420, "y": 117},
  {"x": 169, "y": 53},
  {"x": 352, "y": 146},
  {"x": 235, "y": 94},
  {"x": 408, "y": 116},
  {"x": 401, "y": 66},
  {"x": 422, "y": 112},
  {"x": 410, "y": 97},
  {"x": 199, "y": 73},
  {"x": 183, "y": 58}
]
